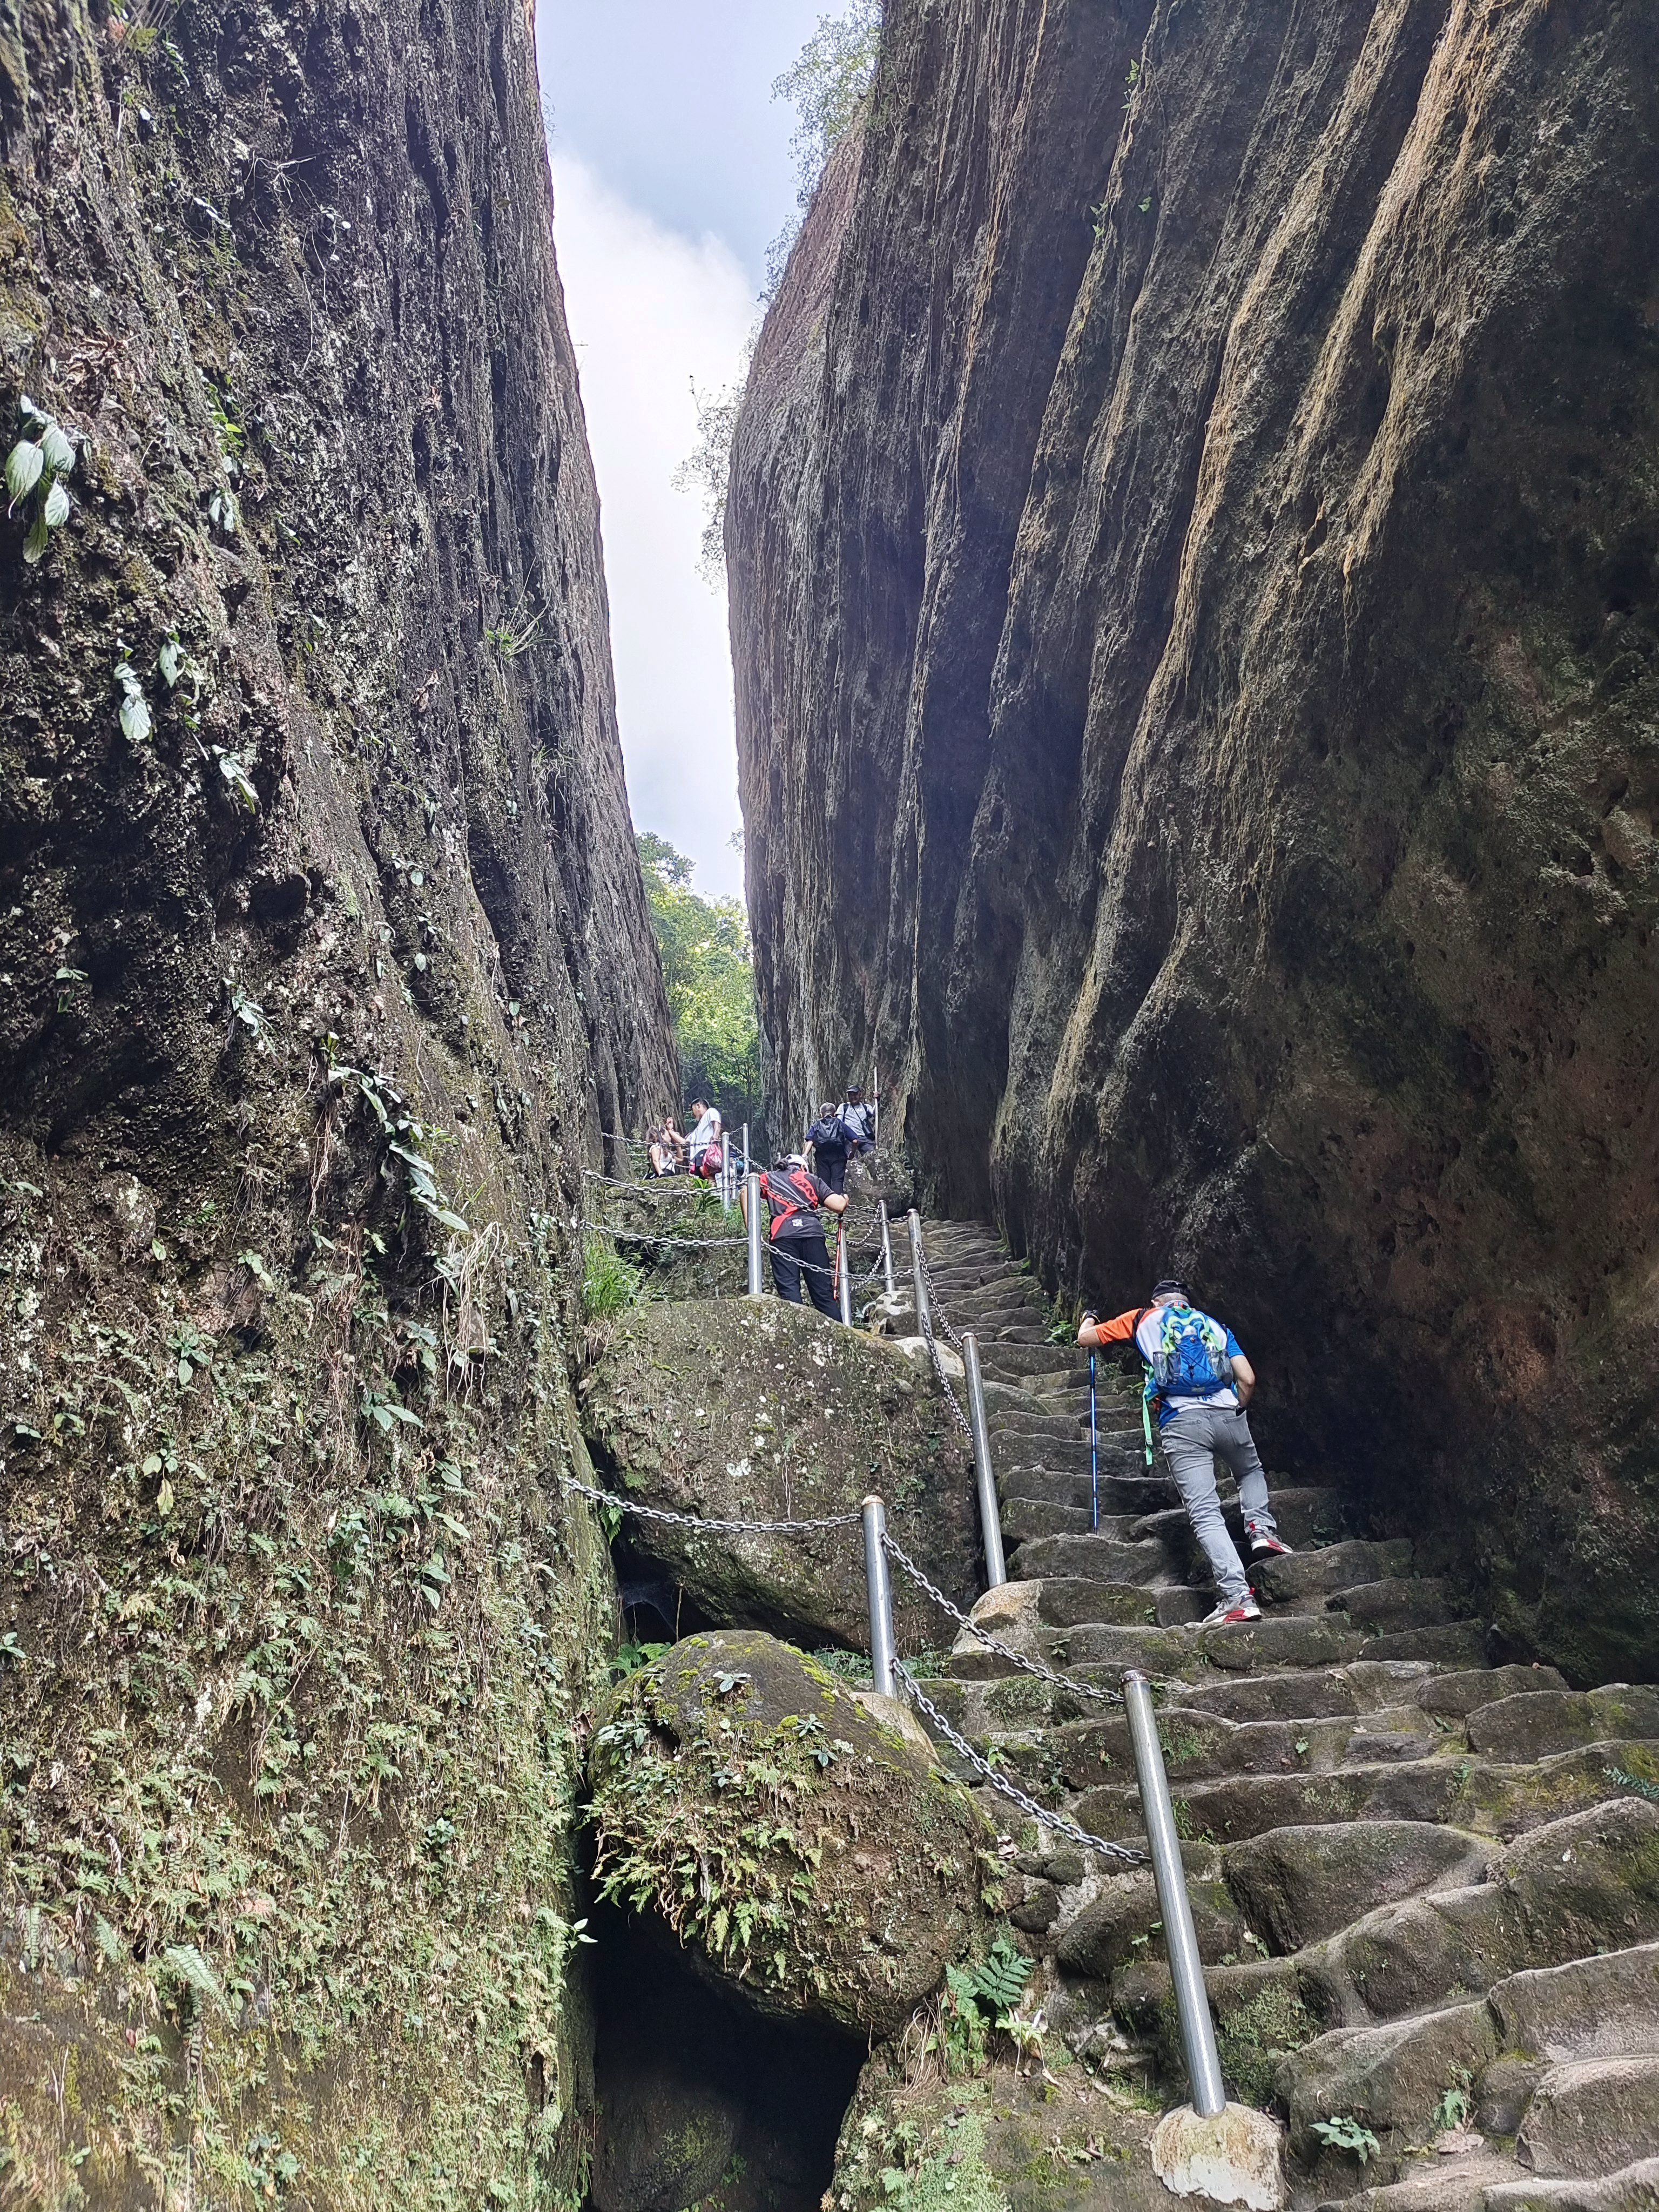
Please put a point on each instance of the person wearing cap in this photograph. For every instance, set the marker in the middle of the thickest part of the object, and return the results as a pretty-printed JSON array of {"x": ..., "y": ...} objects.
[
  {"x": 794, "y": 1195},
  {"x": 859, "y": 1114},
  {"x": 1199, "y": 1382}
]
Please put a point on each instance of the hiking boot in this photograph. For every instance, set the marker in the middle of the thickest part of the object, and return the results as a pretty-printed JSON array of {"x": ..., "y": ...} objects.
[
  {"x": 1226, "y": 1616},
  {"x": 1264, "y": 1545}
]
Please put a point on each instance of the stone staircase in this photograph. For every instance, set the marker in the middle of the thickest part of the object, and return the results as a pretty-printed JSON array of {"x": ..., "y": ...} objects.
[{"x": 1426, "y": 1888}]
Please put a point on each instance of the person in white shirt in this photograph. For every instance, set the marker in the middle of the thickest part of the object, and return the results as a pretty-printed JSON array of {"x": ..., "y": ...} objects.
[{"x": 705, "y": 1139}]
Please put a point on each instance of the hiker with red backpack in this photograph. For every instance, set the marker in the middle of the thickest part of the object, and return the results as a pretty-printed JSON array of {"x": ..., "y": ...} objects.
[
  {"x": 793, "y": 1195},
  {"x": 1198, "y": 1384}
]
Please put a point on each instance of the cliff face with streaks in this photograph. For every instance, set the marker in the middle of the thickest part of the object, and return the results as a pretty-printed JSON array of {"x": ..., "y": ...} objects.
[
  {"x": 1194, "y": 553},
  {"x": 324, "y": 959}
]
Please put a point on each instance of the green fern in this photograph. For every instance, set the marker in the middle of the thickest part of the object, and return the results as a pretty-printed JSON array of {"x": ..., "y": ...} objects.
[{"x": 999, "y": 1979}]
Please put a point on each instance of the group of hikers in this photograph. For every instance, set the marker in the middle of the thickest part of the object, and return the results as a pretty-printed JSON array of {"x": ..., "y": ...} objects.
[
  {"x": 795, "y": 1186},
  {"x": 1198, "y": 1381}
]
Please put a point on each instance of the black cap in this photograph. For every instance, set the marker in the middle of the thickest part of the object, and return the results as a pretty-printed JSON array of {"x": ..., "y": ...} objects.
[{"x": 1160, "y": 1290}]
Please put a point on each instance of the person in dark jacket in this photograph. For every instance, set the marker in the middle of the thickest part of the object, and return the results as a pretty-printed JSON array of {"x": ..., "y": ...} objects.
[
  {"x": 794, "y": 1195},
  {"x": 831, "y": 1140}
]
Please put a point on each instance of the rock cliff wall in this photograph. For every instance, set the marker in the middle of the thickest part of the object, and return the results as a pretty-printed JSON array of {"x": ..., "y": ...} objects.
[
  {"x": 1194, "y": 557},
  {"x": 324, "y": 959}
]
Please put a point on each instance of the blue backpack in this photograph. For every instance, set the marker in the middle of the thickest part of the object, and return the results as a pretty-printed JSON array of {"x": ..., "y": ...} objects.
[{"x": 1191, "y": 1359}]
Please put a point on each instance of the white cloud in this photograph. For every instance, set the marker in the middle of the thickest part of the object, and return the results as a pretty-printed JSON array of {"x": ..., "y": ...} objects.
[{"x": 651, "y": 312}]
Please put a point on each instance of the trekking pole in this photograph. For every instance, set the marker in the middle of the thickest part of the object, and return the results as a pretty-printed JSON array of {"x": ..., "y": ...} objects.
[
  {"x": 1094, "y": 1451},
  {"x": 886, "y": 1247},
  {"x": 880, "y": 1589},
  {"x": 843, "y": 1278}
]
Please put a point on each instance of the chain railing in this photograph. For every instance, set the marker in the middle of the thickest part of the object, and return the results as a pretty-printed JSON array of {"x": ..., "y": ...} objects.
[
  {"x": 697, "y": 1521},
  {"x": 1019, "y": 1659},
  {"x": 1056, "y": 1823}
]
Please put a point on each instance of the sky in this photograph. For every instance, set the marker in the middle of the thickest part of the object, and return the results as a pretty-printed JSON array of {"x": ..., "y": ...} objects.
[{"x": 671, "y": 175}]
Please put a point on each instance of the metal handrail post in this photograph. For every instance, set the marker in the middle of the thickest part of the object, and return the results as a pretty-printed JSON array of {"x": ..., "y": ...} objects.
[
  {"x": 886, "y": 1246},
  {"x": 1192, "y": 2002},
  {"x": 756, "y": 1245},
  {"x": 881, "y": 1595},
  {"x": 747, "y": 1162},
  {"x": 919, "y": 1270},
  {"x": 990, "y": 1514},
  {"x": 844, "y": 1276}
]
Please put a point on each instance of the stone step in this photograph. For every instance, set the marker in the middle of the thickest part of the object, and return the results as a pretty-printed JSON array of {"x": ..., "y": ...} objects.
[
  {"x": 1092, "y": 1559},
  {"x": 1316, "y": 1573},
  {"x": 1485, "y": 1796},
  {"x": 1633, "y": 2189},
  {"x": 1362, "y": 1687},
  {"x": 1262, "y": 1646},
  {"x": 1589, "y": 1882},
  {"x": 1390, "y": 2077},
  {"x": 1395, "y": 1604},
  {"x": 1299, "y": 1885},
  {"x": 1065, "y": 1603},
  {"x": 1532, "y": 1724},
  {"x": 1014, "y": 1361},
  {"x": 1454, "y": 1694},
  {"x": 1467, "y": 2182},
  {"x": 1457, "y": 1643},
  {"x": 1592, "y": 2117},
  {"x": 1024, "y": 1518}
]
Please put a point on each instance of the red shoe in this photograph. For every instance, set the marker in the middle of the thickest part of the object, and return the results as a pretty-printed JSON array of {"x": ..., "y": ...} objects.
[
  {"x": 1228, "y": 1616},
  {"x": 1264, "y": 1545}
]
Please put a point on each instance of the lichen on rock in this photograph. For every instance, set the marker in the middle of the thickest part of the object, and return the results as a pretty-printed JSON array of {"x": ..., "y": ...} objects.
[{"x": 802, "y": 1854}]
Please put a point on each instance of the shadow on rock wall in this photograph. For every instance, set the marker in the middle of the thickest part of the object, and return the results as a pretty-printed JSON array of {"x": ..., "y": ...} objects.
[{"x": 1195, "y": 558}]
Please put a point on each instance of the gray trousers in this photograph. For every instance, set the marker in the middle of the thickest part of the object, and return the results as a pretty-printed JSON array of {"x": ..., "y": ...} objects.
[{"x": 1192, "y": 1441}]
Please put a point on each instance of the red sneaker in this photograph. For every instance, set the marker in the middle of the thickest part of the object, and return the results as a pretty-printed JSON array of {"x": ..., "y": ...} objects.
[
  {"x": 1264, "y": 1545},
  {"x": 1228, "y": 1616}
]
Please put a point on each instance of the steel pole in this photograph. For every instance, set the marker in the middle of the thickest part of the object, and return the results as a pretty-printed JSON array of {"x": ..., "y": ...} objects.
[
  {"x": 919, "y": 1270},
  {"x": 844, "y": 1275},
  {"x": 745, "y": 1148},
  {"x": 886, "y": 1246},
  {"x": 990, "y": 1515},
  {"x": 756, "y": 1241},
  {"x": 1192, "y": 2002},
  {"x": 881, "y": 1595}
]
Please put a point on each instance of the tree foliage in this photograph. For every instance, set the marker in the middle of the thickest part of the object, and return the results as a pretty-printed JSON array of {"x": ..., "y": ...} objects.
[
  {"x": 709, "y": 969},
  {"x": 829, "y": 84}
]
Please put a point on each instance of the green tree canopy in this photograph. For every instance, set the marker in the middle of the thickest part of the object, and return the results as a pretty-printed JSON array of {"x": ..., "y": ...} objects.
[{"x": 709, "y": 969}]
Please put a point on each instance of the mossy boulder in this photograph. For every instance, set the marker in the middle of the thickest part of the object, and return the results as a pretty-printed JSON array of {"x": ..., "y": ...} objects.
[
  {"x": 750, "y": 1409},
  {"x": 1040, "y": 2138},
  {"x": 810, "y": 1859}
]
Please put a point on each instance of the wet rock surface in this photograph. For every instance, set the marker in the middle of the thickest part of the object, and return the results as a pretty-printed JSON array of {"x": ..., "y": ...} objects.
[{"x": 1196, "y": 674}]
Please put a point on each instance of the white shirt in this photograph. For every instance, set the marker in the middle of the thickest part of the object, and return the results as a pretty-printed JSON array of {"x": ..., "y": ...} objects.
[{"x": 706, "y": 1133}]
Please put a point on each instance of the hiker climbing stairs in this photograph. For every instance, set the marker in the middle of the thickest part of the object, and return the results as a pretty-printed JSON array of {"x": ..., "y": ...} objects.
[{"x": 1426, "y": 1887}]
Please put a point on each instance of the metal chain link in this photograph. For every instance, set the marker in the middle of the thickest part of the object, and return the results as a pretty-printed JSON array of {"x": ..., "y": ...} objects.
[
  {"x": 1056, "y": 1823},
  {"x": 994, "y": 1643},
  {"x": 695, "y": 1521},
  {"x": 934, "y": 1301},
  {"x": 950, "y": 1399},
  {"x": 651, "y": 1237}
]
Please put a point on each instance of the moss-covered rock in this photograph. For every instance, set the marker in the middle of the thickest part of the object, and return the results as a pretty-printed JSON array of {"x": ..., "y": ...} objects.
[
  {"x": 1006, "y": 2140},
  {"x": 804, "y": 1856},
  {"x": 736, "y": 1409}
]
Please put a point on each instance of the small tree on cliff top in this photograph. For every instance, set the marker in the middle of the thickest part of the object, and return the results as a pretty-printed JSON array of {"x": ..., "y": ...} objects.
[{"x": 829, "y": 84}]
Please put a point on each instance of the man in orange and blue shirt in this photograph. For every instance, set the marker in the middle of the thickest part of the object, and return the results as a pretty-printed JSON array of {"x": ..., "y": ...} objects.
[{"x": 1199, "y": 1382}]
